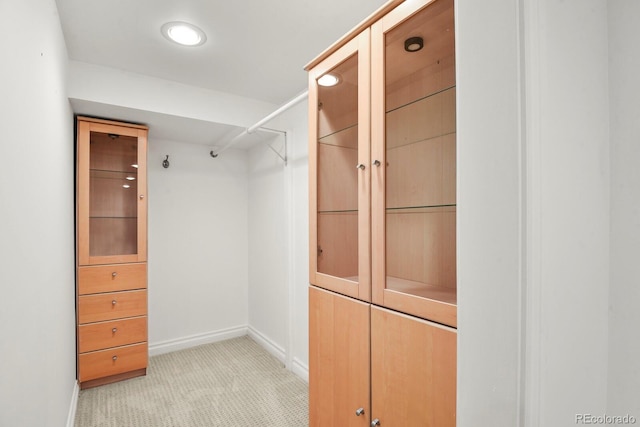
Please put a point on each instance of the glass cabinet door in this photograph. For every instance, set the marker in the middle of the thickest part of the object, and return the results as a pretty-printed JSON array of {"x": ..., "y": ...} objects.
[
  {"x": 111, "y": 193},
  {"x": 414, "y": 150},
  {"x": 339, "y": 187}
]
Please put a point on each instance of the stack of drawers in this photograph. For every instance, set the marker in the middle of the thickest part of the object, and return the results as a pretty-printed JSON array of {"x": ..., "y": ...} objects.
[{"x": 112, "y": 323}]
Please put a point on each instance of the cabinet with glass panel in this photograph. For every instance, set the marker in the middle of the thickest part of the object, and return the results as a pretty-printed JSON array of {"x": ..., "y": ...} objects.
[
  {"x": 382, "y": 163},
  {"x": 111, "y": 231}
]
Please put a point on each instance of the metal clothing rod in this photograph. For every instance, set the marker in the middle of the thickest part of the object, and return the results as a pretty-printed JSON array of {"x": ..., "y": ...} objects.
[
  {"x": 258, "y": 125},
  {"x": 279, "y": 111}
]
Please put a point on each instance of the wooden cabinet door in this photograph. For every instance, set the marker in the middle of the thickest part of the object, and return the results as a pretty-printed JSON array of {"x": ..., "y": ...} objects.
[
  {"x": 338, "y": 360},
  {"x": 413, "y": 371},
  {"x": 339, "y": 168},
  {"x": 111, "y": 192}
]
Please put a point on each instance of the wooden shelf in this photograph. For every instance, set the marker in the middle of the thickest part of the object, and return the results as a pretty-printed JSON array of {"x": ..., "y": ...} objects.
[{"x": 423, "y": 290}]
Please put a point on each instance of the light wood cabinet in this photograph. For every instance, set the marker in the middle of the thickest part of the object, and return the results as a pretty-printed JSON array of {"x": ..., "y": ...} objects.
[
  {"x": 338, "y": 360},
  {"x": 111, "y": 232},
  {"x": 382, "y": 174}
]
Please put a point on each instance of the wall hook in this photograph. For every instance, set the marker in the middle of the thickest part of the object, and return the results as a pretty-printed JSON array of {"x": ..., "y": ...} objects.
[{"x": 165, "y": 162}]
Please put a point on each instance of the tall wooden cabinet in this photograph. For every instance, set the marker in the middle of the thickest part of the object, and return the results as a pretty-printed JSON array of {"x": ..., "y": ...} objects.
[
  {"x": 382, "y": 162},
  {"x": 111, "y": 232}
]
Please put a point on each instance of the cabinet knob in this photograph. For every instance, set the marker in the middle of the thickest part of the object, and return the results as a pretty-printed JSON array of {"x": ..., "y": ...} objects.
[
  {"x": 359, "y": 412},
  {"x": 116, "y": 358},
  {"x": 114, "y": 330},
  {"x": 376, "y": 163},
  {"x": 114, "y": 302},
  {"x": 375, "y": 423},
  {"x": 114, "y": 274},
  {"x": 141, "y": 196},
  {"x": 360, "y": 166}
]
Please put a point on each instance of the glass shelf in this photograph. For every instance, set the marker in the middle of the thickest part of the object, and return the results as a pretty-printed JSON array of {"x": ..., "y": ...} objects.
[
  {"x": 422, "y": 98},
  {"x": 338, "y": 211},
  {"x": 418, "y": 209},
  {"x": 113, "y": 217},
  {"x": 113, "y": 174}
]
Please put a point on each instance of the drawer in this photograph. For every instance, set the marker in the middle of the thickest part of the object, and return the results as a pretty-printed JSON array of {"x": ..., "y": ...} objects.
[
  {"x": 114, "y": 333},
  {"x": 104, "y": 363},
  {"x": 111, "y": 278},
  {"x": 111, "y": 306}
]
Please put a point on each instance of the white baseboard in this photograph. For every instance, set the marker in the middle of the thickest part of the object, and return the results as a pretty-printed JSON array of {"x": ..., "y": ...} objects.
[
  {"x": 265, "y": 342},
  {"x": 195, "y": 340},
  {"x": 297, "y": 367},
  {"x": 300, "y": 369},
  {"x": 73, "y": 406}
]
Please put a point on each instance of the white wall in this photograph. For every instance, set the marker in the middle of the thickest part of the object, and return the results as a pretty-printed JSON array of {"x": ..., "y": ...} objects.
[
  {"x": 624, "y": 296},
  {"x": 297, "y": 120},
  {"x": 198, "y": 245},
  {"x": 269, "y": 246},
  {"x": 569, "y": 178},
  {"x": 489, "y": 223},
  {"x": 533, "y": 213},
  {"x": 110, "y": 86},
  {"x": 278, "y": 241},
  {"x": 37, "y": 318}
]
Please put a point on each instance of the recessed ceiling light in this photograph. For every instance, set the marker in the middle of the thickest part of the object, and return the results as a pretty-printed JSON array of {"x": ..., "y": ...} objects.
[
  {"x": 329, "y": 80},
  {"x": 184, "y": 33},
  {"x": 126, "y": 186},
  {"x": 130, "y": 178}
]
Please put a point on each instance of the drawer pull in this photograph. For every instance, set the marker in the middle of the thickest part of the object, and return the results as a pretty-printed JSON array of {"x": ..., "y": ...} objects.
[
  {"x": 114, "y": 330},
  {"x": 114, "y": 274},
  {"x": 114, "y": 302},
  {"x": 115, "y": 358}
]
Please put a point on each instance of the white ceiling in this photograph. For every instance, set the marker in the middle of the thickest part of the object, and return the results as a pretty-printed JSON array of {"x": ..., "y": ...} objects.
[{"x": 254, "y": 48}]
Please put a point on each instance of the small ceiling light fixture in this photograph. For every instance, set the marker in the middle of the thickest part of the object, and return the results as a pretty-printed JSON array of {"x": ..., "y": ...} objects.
[
  {"x": 130, "y": 178},
  {"x": 183, "y": 33},
  {"x": 413, "y": 44},
  {"x": 126, "y": 186},
  {"x": 329, "y": 80}
]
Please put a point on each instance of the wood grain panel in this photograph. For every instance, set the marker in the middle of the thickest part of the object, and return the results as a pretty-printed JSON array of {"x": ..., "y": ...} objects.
[
  {"x": 113, "y": 153},
  {"x": 102, "y": 335},
  {"x": 338, "y": 243},
  {"x": 338, "y": 360},
  {"x": 338, "y": 105},
  {"x": 337, "y": 178},
  {"x": 112, "y": 361},
  {"x": 113, "y": 236},
  {"x": 434, "y": 23},
  {"x": 97, "y": 279},
  {"x": 421, "y": 246},
  {"x": 424, "y": 119},
  {"x": 100, "y": 307},
  {"x": 109, "y": 197},
  {"x": 413, "y": 371},
  {"x": 426, "y": 81},
  {"x": 422, "y": 173},
  {"x": 426, "y": 302}
]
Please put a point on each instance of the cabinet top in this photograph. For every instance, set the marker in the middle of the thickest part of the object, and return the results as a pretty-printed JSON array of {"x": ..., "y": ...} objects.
[
  {"x": 383, "y": 10},
  {"x": 111, "y": 122}
]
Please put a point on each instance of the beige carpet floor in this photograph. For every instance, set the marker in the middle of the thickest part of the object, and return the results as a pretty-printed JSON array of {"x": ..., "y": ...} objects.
[{"x": 228, "y": 383}]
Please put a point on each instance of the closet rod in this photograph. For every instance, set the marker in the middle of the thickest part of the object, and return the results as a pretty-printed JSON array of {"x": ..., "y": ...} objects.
[{"x": 257, "y": 126}]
